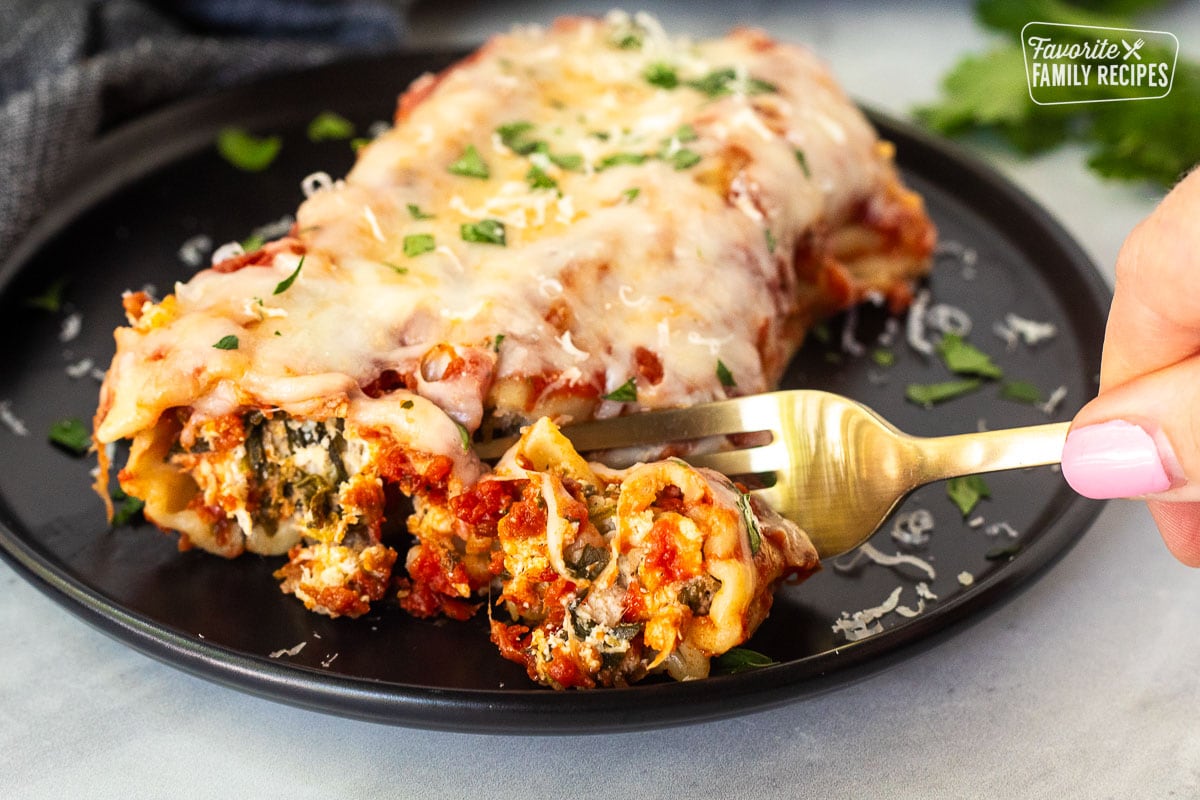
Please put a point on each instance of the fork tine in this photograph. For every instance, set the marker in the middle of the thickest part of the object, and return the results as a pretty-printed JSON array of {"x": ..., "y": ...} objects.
[
  {"x": 767, "y": 458},
  {"x": 737, "y": 415}
]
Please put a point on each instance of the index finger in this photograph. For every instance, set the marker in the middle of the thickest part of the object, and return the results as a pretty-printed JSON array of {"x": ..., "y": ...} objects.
[{"x": 1154, "y": 320}]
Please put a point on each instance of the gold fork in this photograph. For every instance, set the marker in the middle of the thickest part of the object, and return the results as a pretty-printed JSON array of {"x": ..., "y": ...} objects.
[{"x": 839, "y": 468}]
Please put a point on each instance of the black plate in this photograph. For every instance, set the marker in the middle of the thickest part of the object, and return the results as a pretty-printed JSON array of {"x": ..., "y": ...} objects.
[{"x": 158, "y": 182}]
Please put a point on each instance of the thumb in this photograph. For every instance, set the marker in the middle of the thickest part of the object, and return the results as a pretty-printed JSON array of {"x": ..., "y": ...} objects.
[{"x": 1142, "y": 439}]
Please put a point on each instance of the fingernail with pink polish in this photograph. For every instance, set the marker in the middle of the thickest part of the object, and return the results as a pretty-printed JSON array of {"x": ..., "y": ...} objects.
[{"x": 1113, "y": 459}]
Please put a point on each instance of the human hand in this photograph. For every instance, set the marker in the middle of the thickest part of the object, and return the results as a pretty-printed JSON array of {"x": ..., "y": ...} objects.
[{"x": 1140, "y": 437}]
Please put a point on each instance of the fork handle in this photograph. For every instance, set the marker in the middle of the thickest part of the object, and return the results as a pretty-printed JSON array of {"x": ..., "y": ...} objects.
[{"x": 943, "y": 457}]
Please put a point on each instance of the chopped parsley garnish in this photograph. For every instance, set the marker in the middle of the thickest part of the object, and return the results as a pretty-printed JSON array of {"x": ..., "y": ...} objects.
[
  {"x": 724, "y": 375},
  {"x": 966, "y": 359},
  {"x": 253, "y": 242},
  {"x": 329, "y": 126},
  {"x": 1021, "y": 392},
  {"x": 1003, "y": 551},
  {"x": 927, "y": 394},
  {"x": 415, "y": 212},
  {"x": 571, "y": 162},
  {"x": 416, "y": 244},
  {"x": 631, "y": 194},
  {"x": 725, "y": 81},
  {"x": 246, "y": 151},
  {"x": 471, "y": 165},
  {"x": 752, "y": 531},
  {"x": 517, "y": 136},
  {"x": 51, "y": 299},
  {"x": 537, "y": 178},
  {"x": 126, "y": 509},
  {"x": 625, "y": 393},
  {"x": 407, "y": 404},
  {"x": 496, "y": 342},
  {"x": 741, "y": 659},
  {"x": 627, "y": 38},
  {"x": 803, "y": 161},
  {"x": 464, "y": 435},
  {"x": 227, "y": 342},
  {"x": 661, "y": 75},
  {"x": 686, "y": 133},
  {"x": 287, "y": 282},
  {"x": 358, "y": 143},
  {"x": 399, "y": 270},
  {"x": 72, "y": 435},
  {"x": 486, "y": 231},
  {"x": 770, "y": 237},
  {"x": 620, "y": 159},
  {"x": 683, "y": 158},
  {"x": 883, "y": 357},
  {"x": 966, "y": 492}
]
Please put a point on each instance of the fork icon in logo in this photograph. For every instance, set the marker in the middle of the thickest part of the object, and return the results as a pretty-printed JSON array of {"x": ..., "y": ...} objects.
[{"x": 1132, "y": 49}]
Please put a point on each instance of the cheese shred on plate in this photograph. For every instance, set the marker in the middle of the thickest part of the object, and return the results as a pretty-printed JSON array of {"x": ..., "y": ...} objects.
[{"x": 571, "y": 211}]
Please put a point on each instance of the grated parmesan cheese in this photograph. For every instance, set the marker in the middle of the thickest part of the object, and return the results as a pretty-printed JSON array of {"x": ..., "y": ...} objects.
[
  {"x": 912, "y": 530},
  {"x": 193, "y": 250},
  {"x": 997, "y": 528},
  {"x": 11, "y": 420},
  {"x": 914, "y": 329},
  {"x": 289, "y": 651},
  {"x": 72, "y": 324},
  {"x": 868, "y": 551}
]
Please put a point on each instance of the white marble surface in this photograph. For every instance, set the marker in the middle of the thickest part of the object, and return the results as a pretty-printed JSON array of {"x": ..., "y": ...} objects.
[{"x": 1085, "y": 685}]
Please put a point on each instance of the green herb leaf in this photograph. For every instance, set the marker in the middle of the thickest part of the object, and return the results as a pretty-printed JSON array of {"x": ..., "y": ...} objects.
[
  {"x": 631, "y": 194},
  {"x": 802, "y": 160},
  {"x": 126, "y": 509},
  {"x": 416, "y": 244},
  {"x": 625, "y": 393},
  {"x": 253, "y": 242},
  {"x": 741, "y": 659},
  {"x": 661, "y": 75},
  {"x": 683, "y": 158},
  {"x": 571, "y": 162},
  {"x": 358, "y": 143},
  {"x": 517, "y": 136},
  {"x": 287, "y": 282},
  {"x": 725, "y": 81},
  {"x": 247, "y": 152},
  {"x": 464, "y": 436},
  {"x": 71, "y": 434},
  {"x": 470, "y": 165},
  {"x": 620, "y": 159},
  {"x": 686, "y": 133},
  {"x": 927, "y": 394},
  {"x": 496, "y": 342},
  {"x": 399, "y": 270},
  {"x": 966, "y": 359},
  {"x": 966, "y": 492},
  {"x": 537, "y": 178},
  {"x": 486, "y": 231},
  {"x": 1021, "y": 392},
  {"x": 415, "y": 212},
  {"x": 1003, "y": 551},
  {"x": 751, "y": 521},
  {"x": 771, "y": 243},
  {"x": 227, "y": 342},
  {"x": 329, "y": 126},
  {"x": 51, "y": 299},
  {"x": 407, "y": 404},
  {"x": 883, "y": 357},
  {"x": 724, "y": 375}
]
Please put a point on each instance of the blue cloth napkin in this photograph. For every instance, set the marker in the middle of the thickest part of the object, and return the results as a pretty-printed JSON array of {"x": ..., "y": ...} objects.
[{"x": 72, "y": 69}]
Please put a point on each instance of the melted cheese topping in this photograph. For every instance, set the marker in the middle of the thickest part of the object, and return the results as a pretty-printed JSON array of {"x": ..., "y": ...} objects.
[{"x": 649, "y": 234}]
